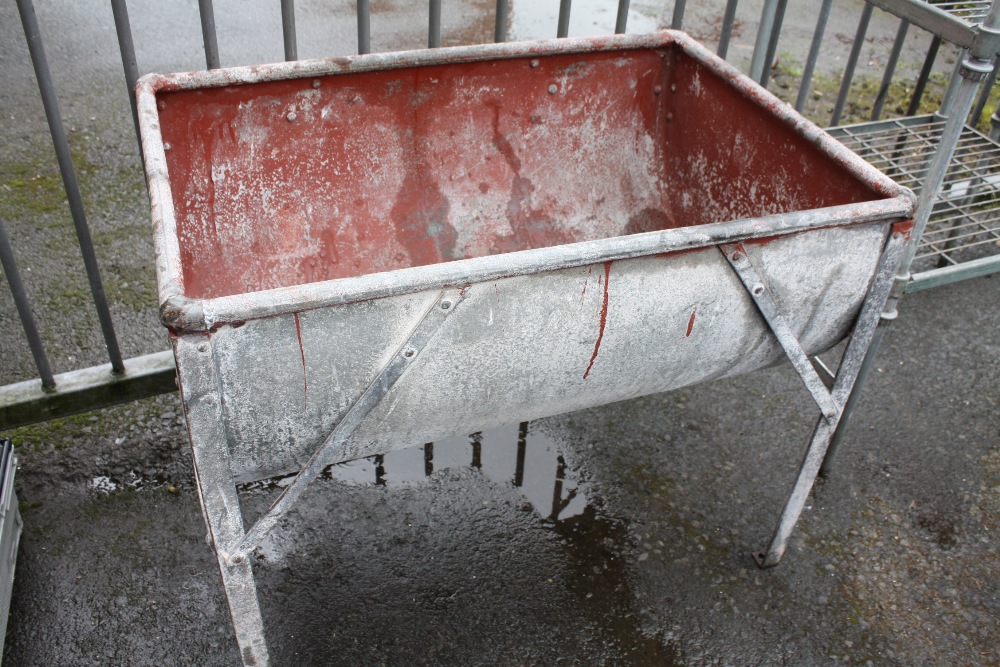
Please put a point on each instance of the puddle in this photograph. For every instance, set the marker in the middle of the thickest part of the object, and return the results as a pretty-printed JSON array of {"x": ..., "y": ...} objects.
[
  {"x": 597, "y": 558},
  {"x": 538, "y": 20},
  {"x": 517, "y": 454}
]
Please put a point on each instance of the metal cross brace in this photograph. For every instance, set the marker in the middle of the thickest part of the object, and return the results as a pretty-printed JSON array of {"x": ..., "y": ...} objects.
[
  {"x": 425, "y": 329},
  {"x": 736, "y": 255},
  {"x": 861, "y": 338}
]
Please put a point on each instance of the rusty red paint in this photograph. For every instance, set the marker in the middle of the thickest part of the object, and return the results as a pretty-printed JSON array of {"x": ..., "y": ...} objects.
[
  {"x": 302, "y": 353},
  {"x": 905, "y": 228},
  {"x": 604, "y": 320},
  {"x": 690, "y": 327},
  {"x": 291, "y": 182}
]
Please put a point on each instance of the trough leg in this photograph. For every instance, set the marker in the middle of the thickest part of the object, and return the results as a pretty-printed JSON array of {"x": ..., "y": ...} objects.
[
  {"x": 217, "y": 493},
  {"x": 873, "y": 310}
]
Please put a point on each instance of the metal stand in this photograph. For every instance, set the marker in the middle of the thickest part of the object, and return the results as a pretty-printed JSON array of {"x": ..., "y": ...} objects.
[{"x": 831, "y": 402}]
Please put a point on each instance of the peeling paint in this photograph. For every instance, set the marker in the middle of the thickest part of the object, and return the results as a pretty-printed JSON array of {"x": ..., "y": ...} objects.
[
  {"x": 603, "y": 320},
  {"x": 302, "y": 353}
]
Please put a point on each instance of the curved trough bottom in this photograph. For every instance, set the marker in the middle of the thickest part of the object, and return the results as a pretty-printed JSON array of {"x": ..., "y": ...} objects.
[{"x": 527, "y": 347}]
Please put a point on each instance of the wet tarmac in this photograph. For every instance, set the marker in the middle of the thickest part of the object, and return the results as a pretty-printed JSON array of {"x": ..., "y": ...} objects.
[
  {"x": 615, "y": 536},
  {"x": 627, "y": 541}
]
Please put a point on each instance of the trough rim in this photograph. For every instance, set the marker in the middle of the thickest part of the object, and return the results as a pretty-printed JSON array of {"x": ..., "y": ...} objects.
[{"x": 182, "y": 314}]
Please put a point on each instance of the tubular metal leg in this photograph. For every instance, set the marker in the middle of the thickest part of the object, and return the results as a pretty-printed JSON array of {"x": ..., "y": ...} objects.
[
  {"x": 217, "y": 493},
  {"x": 862, "y": 337}
]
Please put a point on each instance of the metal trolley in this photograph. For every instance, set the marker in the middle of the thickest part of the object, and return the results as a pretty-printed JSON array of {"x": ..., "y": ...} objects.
[{"x": 360, "y": 254}]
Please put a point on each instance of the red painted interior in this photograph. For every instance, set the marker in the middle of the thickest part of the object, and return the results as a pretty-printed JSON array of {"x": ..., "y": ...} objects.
[{"x": 292, "y": 182}]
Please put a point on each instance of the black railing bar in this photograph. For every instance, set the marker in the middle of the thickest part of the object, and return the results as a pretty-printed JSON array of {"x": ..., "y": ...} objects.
[
  {"x": 24, "y": 309},
  {"x": 810, "y": 66},
  {"x": 434, "y": 25},
  {"x": 728, "y": 19},
  {"x": 208, "y": 36},
  {"x": 562, "y": 30},
  {"x": 924, "y": 76},
  {"x": 288, "y": 29},
  {"x": 677, "y": 22},
  {"x": 59, "y": 142},
  {"x": 984, "y": 94},
  {"x": 890, "y": 70},
  {"x": 364, "y": 26},
  {"x": 772, "y": 44},
  {"x": 125, "y": 44},
  {"x": 621, "y": 20},
  {"x": 500, "y": 27},
  {"x": 852, "y": 62},
  {"x": 764, "y": 28}
]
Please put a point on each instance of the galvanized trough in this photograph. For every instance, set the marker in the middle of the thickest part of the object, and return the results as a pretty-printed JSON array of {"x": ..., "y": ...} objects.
[{"x": 367, "y": 253}]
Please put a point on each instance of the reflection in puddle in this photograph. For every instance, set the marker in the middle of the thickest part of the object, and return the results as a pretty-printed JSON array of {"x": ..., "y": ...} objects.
[
  {"x": 596, "y": 548},
  {"x": 517, "y": 454}
]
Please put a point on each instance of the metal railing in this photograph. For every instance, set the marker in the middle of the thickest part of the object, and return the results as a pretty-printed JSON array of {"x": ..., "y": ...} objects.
[{"x": 963, "y": 220}]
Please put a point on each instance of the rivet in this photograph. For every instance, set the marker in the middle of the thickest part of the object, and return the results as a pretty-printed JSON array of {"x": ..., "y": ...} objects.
[
  {"x": 737, "y": 256},
  {"x": 758, "y": 290},
  {"x": 236, "y": 559},
  {"x": 673, "y": 87},
  {"x": 316, "y": 83},
  {"x": 290, "y": 116},
  {"x": 445, "y": 305},
  {"x": 161, "y": 105},
  {"x": 166, "y": 147},
  {"x": 203, "y": 347},
  {"x": 553, "y": 89},
  {"x": 409, "y": 353},
  {"x": 657, "y": 90},
  {"x": 670, "y": 116},
  {"x": 534, "y": 62}
]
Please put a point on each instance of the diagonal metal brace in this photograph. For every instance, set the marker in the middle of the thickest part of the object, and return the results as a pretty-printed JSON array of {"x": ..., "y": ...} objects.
[
  {"x": 736, "y": 255},
  {"x": 406, "y": 354}
]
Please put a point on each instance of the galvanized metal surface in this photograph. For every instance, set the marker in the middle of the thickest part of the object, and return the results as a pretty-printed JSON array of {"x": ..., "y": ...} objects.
[
  {"x": 618, "y": 310},
  {"x": 736, "y": 255},
  {"x": 10, "y": 531},
  {"x": 963, "y": 231},
  {"x": 556, "y": 222},
  {"x": 851, "y": 365}
]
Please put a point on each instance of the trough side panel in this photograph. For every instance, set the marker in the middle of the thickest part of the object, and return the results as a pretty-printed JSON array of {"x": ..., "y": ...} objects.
[
  {"x": 530, "y": 346},
  {"x": 731, "y": 158}
]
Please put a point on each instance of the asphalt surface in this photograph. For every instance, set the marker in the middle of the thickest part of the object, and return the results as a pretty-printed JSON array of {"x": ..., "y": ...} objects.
[{"x": 627, "y": 539}]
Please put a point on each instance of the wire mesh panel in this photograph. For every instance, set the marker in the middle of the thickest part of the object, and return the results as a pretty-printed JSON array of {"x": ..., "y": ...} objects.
[{"x": 965, "y": 222}]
